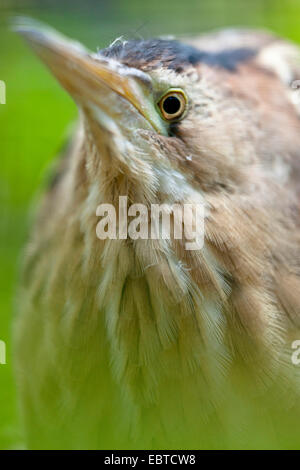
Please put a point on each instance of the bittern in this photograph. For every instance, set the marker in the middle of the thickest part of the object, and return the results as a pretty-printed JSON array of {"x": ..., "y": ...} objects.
[{"x": 138, "y": 342}]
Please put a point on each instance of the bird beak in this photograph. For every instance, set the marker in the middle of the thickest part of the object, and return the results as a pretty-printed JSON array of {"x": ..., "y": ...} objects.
[{"x": 92, "y": 78}]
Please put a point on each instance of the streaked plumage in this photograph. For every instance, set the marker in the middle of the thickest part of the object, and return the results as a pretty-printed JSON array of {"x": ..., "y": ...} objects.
[{"x": 143, "y": 338}]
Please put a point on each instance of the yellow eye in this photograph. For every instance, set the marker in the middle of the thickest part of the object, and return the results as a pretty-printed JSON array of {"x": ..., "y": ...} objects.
[{"x": 172, "y": 105}]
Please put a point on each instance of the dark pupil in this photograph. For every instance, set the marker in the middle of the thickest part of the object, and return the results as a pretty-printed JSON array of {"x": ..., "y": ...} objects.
[{"x": 171, "y": 105}]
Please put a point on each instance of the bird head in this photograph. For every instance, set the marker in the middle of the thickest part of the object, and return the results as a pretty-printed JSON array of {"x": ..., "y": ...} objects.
[{"x": 156, "y": 110}]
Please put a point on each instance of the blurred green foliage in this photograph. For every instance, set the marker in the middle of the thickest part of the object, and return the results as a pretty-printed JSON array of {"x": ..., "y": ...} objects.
[{"x": 37, "y": 112}]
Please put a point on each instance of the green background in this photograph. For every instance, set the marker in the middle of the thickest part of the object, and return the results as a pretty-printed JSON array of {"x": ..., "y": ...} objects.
[{"x": 34, "y": 120}]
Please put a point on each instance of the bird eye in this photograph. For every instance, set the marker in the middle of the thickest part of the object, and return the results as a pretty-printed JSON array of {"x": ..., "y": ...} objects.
[{"x": 172, "y": 105}]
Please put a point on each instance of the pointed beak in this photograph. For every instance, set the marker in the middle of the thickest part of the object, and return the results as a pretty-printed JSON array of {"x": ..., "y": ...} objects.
[{"x": 92, "y": 78}]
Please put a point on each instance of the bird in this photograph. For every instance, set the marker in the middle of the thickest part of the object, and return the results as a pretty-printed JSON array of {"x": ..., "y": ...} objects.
[{"x": 140, "y": 343}]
